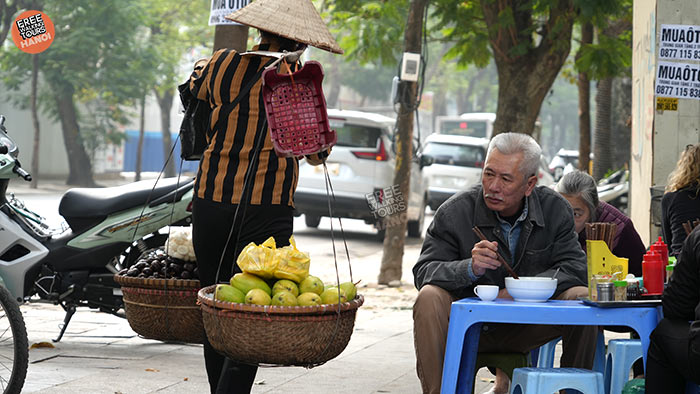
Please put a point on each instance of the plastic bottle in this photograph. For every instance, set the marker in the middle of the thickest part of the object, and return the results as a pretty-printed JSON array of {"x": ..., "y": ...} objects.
[
  {"x": 653, "y": 271},
  {"x": 661, "y": 248}
]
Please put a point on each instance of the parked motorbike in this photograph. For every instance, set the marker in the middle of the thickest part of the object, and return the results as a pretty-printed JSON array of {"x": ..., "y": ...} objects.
[{"x": 108, "y": 228}]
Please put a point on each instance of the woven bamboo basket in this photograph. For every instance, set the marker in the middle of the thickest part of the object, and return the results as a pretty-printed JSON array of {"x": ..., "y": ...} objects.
[
  {"x": 163, "y": 309},
  {"x": 295, "y": 336}
]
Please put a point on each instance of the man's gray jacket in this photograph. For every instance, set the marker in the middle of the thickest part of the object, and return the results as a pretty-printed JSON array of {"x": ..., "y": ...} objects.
[{"x": 547, "y": 241}]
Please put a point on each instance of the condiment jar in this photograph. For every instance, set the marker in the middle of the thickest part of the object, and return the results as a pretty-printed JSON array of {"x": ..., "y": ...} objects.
[
  {"x": 620, "y": 290},
  {"x": 606, "y": 291},
  {"x": 633, "y": 292},
  {"x": 669, "y": 272},
  {"x": 653, "y": 273},
  {"x": 661, "y": 248}
]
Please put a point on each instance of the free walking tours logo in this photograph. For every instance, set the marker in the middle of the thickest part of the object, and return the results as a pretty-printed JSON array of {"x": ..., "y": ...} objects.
[
  {"x": 388, "y": 206},
  {"x": 33, "y": 31}
]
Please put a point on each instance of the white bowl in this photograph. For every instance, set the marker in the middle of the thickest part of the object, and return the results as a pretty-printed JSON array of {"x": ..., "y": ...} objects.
[{"x": 531, "y": 288}]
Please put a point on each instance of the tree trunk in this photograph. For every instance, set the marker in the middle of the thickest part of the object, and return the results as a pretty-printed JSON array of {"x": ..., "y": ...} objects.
[
  {"x": 80, "y": 167},
  {"x": 602, "y": 148},
  {"x": 584, "y": 105},
  {"x": 470, "y": 90},
  {"x": 395, "y": 237},
  {"x": 35, "y": 122},
  {"x": 439, "y": 104},
  {"x": 335, "y": 80},
  {"x": 165, "y": 103},
  {"x": 142, "y": 134},
  {"x": 525, "y": 78}
]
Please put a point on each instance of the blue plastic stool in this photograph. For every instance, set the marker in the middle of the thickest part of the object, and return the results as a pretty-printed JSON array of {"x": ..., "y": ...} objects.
[
  {"x": 550, "y": 380},
  {"x": 622, "y": 353},
  {"x": 545, "y": 358}
]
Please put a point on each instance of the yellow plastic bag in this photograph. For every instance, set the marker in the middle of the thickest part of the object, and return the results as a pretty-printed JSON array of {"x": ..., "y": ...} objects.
[
  {"x": 259, "y": 260},
  {"x": 293, "y": 264}
]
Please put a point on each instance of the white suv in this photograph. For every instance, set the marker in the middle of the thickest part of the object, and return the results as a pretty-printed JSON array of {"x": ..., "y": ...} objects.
[
  {"x": 361, "y": 170},
  {"x": 454, "y": 163}
]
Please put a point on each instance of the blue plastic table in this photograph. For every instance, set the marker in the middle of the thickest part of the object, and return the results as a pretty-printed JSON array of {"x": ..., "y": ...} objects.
[{"x": 468, "y": 314}]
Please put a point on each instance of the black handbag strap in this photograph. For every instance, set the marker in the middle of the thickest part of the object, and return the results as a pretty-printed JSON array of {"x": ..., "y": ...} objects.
[{"x": 246, "y": 89}]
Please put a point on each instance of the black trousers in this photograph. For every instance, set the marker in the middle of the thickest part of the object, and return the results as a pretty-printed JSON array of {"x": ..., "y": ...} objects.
[
  {"x": 211, "y": 224},
  {"x": 670, "y": 363}
]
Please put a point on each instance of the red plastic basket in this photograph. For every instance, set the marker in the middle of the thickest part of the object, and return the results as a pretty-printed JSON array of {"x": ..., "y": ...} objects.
[{"x": 296, "y": 111}]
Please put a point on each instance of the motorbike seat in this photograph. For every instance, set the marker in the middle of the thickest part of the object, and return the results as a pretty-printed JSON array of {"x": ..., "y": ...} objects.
[{"x": 101, "y": 202}]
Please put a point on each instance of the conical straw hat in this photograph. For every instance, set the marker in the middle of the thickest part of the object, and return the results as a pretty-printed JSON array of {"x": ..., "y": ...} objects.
[{"x": 297, "y": 20}]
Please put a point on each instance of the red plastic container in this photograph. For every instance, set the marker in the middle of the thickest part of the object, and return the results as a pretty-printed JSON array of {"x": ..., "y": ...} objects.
[
  {"x": 296, "y": 111},
  {"x": 653, "y": 273},
  {"x": 661, "y": 248}
]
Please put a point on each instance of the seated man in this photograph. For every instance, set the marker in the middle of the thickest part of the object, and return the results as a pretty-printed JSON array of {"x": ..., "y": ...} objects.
[
  {"x": 674, "y": 351},
  {"x": 531, "y": 227}
]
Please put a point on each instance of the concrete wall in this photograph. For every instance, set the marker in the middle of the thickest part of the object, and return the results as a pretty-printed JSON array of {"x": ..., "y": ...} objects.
[
  {"x": 53, "y": 161},
  {"x": 658, "y": 137}
]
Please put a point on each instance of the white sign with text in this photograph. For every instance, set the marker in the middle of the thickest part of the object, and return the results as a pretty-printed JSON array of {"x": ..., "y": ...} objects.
[
  {"x": 221, "y": 8},
  {"x": 681, "y": 42}
]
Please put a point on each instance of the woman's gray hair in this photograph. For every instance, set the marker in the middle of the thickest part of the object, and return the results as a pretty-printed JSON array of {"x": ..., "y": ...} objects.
[
  {"x": 512, "y": 143},
  {"x": 580, "y": 184}
]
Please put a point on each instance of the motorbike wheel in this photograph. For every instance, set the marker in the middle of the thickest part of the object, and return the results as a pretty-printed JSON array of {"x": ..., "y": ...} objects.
[{"x": 14, "y": 348}]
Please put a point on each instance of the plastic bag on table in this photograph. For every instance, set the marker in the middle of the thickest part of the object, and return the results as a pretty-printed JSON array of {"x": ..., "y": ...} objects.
[
  {"x": 293, "y": 264},
  {"x": 260, "y": 259}
]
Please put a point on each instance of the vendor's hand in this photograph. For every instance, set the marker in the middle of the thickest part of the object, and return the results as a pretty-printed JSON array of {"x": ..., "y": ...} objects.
[
  {"x": 503, "y": 293},
  {"x": 485, "y": 257}
]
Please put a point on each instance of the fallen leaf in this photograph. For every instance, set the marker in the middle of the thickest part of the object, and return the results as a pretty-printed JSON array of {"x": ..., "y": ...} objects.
[
  {"x": 186, "y": 379},
  {"x": 39, "y": 345},
  {"x": 152, "y": 370}
]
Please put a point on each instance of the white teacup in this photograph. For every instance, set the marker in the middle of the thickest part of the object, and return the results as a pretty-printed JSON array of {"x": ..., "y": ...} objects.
[{"x": 486, "y": 292}]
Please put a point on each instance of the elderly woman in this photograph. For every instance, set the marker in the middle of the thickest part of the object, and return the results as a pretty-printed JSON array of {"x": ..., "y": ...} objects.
[
  {"x": 680, "y": 204},
  {"x": 580, "y": 190}
]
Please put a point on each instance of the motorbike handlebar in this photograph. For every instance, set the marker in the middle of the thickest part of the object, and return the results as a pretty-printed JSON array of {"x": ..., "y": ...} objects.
[
  {"x": 3, "y": 148},
  {"x": 24, "y": 174},
  {"x": 2, "y": 120}
]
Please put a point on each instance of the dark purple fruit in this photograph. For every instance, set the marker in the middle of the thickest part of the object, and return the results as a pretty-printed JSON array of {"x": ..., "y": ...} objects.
[
  {"x": 155, "y": 266},
  {"x": 188, "y": 266},
  {"x": 175, "y": 268},
  {"x": 147, "y": 271},
  {"x": 124, "y": 271},
  {"x": 185, "y": 275},
  {"x": 132, "y": 272}
]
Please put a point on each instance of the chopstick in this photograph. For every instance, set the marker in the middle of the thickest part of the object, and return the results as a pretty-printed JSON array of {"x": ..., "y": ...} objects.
[{"x": 498, "y": 255}]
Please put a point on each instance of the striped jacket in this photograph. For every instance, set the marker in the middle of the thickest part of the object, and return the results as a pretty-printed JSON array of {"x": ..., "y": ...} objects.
[{"x": 235, "y": 131}]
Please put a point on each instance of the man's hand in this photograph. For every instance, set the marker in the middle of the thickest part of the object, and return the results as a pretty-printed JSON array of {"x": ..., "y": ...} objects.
[
  {"x": 503, "y": 293},
  {"x": 484, "y": 257}
]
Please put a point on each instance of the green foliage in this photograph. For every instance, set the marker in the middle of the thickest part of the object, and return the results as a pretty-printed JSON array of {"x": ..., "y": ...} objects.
[
  {"x": 610, "y": 57},
  {"x": 109, "y": 53},
  {"x": 376, "y": 28}
]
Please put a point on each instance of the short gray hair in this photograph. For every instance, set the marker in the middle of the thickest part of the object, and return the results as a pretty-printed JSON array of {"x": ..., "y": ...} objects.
[
  {"x": 580, "y": 184},
  {"x": 512, "y": 143}
]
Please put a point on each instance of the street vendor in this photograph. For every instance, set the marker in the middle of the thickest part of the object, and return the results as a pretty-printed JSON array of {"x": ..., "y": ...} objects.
[
  {"x": 239, "y": 168},
  {"x": 531, "y": 227}
]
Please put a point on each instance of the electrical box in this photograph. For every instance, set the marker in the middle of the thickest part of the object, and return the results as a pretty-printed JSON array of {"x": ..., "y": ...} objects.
[{"x": 410, "y": 66}]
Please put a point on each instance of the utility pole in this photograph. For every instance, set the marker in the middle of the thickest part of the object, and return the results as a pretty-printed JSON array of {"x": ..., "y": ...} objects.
[
  {"x": 231, "y": 36},
  {"x": 395, "y": 237}
]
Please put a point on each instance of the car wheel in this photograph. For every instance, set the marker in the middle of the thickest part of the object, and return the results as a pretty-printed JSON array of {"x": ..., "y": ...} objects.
[
  {"x": 312, "y": 220},
  {"x": 415, "y": 227}
]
